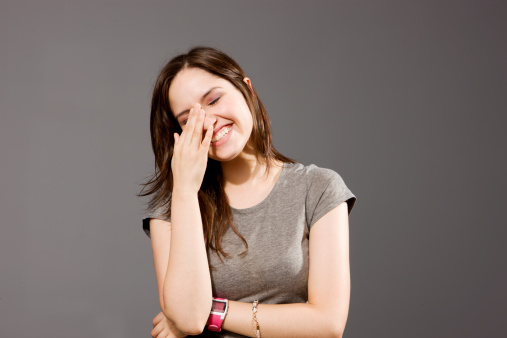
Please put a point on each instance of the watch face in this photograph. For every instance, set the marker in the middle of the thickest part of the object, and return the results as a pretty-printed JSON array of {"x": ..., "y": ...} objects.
[{"x": 218, "y": 306}]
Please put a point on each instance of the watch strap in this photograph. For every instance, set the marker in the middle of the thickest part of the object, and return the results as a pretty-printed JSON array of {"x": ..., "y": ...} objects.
[{"x": 216, "y": 318}]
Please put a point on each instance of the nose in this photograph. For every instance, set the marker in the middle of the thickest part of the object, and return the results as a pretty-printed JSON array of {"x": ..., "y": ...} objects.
[{"x": 209, "y": 120}]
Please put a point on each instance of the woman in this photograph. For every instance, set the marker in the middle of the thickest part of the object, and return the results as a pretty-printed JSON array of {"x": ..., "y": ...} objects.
[{"x": 246, "y": 242}]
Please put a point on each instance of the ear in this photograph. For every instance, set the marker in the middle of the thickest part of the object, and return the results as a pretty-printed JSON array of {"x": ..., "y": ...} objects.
[{"x": 248, "y": 82}]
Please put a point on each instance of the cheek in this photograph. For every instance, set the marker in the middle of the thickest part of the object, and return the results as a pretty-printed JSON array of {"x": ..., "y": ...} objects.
[
  {"x": 246, "y": 115},
  {"x": 249, "y": 116}
]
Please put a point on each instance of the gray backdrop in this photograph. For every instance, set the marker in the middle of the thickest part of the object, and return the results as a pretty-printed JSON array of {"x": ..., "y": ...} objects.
[{"x": 405, "y": 100}]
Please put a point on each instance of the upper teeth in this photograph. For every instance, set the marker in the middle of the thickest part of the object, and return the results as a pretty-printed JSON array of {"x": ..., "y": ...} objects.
[{"x": 218, "y": 136}]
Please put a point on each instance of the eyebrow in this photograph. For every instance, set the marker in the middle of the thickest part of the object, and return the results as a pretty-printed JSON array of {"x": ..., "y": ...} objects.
[{"x": 202, "y": 98}]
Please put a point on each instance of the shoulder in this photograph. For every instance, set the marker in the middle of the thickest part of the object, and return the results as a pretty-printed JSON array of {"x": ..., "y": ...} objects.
[
  {"x": 319, "y": 174},
  {"x": 160, "y": 210},
  {"x": 315, "y": 176},
  {"x": 326, "y": 189}
]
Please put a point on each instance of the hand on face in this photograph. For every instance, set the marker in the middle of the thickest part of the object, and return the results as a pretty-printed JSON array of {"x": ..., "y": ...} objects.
[
  {"x": 225, "y": 106},
  {"x": 190, "y": 155},
  {"x": 208, "y": 121}
]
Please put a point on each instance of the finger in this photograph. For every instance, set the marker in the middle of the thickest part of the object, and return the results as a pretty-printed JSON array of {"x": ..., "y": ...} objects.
[
  {"x": 176, "y": 138},
  {"x": 156, "y": 330},
  {"x": 197, "y": 133},
  {"x": 158, "y": 318},
  {"x": 207, "y": 138},
  {"x": 189, "y": 126},
  {"x": 172, "y": 335}
]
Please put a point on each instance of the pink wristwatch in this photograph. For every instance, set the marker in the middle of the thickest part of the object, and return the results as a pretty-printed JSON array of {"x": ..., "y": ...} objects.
[{"x": 217, "y": 314}]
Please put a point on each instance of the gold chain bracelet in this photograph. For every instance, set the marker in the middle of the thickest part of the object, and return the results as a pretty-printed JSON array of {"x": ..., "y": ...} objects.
[{"x": 255, "y": 323}]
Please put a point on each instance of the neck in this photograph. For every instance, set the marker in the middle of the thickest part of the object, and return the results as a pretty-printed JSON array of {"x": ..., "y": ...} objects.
[{"x": 245, "y": 170}]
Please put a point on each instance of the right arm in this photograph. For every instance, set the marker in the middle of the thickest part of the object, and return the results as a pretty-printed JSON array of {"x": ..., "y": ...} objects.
[
  {"x": 187, "y": 285},
  {"x": 181, "y": 265},
  {"x": 179, "y": 250}
]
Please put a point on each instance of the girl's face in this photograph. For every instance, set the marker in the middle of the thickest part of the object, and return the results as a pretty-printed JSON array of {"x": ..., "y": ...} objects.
[{"x": 224, "y": 107}]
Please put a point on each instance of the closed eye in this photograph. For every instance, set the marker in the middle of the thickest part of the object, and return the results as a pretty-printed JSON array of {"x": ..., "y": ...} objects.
[
  {"x": 210, "y": 104},
  {"x": 214, "y": 101}
]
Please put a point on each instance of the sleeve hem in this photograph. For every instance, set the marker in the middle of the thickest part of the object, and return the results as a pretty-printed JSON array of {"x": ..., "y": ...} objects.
[
  {"x": 146, "y": 226},
  {"x": 349, "y": 198}
]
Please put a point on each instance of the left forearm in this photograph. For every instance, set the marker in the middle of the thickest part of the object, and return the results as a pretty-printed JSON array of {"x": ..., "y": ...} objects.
[{"x": 281, "y": 320}]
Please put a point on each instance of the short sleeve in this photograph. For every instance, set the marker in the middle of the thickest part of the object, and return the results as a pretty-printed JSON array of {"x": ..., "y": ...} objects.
[
  {"x": 326, "y": 191},
  {"x": 156, "y": 212}
]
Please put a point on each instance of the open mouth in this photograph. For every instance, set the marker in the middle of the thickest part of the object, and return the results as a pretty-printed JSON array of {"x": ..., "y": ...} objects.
[{"x": 221, "y": 134}]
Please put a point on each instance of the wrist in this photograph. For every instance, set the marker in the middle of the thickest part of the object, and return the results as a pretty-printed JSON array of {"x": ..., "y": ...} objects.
[
  {"x": 217, "y": 314},
  {"x": 183, "y": 192}
]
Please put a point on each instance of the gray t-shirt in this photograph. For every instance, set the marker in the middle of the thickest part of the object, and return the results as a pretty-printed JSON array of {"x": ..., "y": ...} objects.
[{"x": 275, "y": 268}]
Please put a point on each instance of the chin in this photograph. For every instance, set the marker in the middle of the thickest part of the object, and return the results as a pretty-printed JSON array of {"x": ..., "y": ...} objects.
[
  {"x": 223, "y": 158},
  {"x": 225, "y": 154}
]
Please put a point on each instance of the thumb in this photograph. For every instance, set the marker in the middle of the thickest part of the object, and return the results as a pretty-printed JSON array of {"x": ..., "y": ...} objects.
[{"x": 176, "y": 138}]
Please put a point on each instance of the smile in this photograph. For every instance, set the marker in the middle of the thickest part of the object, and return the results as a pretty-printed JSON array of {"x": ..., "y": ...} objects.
[{"x": 221, "y": 134}]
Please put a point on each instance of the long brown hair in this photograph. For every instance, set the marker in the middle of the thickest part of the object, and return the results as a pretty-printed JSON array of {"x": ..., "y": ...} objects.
[{"x": 213, "y": 202}]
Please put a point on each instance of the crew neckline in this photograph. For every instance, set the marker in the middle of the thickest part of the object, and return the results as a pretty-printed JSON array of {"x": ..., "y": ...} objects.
[{"x": 268, "y": 197}]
